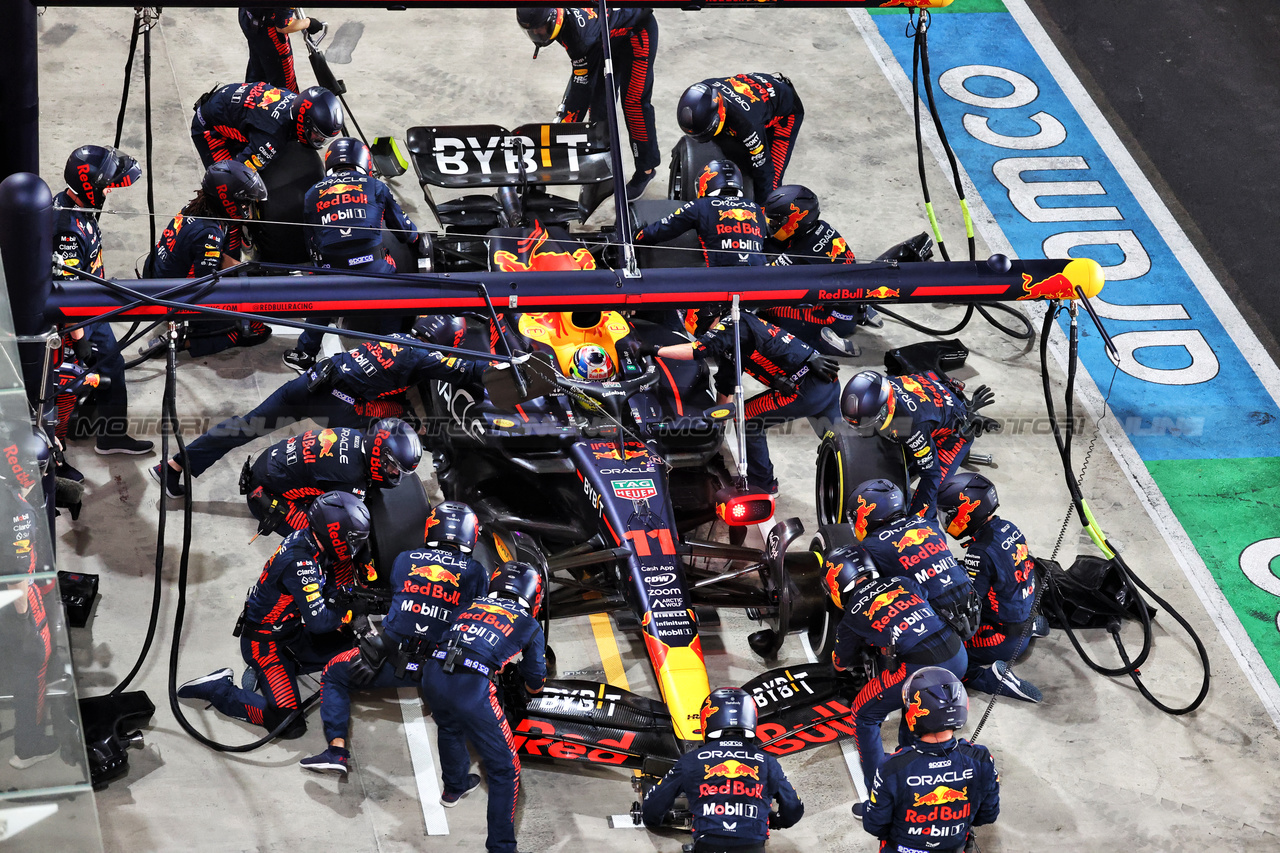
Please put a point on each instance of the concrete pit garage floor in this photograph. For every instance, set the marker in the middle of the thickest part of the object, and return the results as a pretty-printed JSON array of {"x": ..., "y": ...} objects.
[{"x": 1093, "y": 768}]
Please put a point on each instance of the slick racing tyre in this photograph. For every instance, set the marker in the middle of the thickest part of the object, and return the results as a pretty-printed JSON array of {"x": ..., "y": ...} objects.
[
  {"x": 688, "y": 158},
  {"x": 846, "y": 459}
]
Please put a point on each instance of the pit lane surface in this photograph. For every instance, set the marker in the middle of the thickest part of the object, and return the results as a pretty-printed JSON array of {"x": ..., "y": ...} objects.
[{"x": 1093, "y": 768}]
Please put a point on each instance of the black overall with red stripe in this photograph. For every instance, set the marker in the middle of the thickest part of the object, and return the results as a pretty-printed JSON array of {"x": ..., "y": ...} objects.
[
  {"x": 933, "y": 441},
  {"x": 303, "y": 467},
  {"x": 249, "y": 122},
  {"x": 633, "y": 41},
  {"x": 270, "y": 54}
]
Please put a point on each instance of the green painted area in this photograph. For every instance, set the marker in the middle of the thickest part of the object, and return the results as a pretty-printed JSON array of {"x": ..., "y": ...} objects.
[
  {"x": 957, "y": 6},
  {"x": 1226, "y": 505}
]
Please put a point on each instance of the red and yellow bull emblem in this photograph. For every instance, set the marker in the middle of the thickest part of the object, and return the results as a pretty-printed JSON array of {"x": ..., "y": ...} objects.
[
  {"x": 914, "y": 712},
  {"x": 432, "y": 521},
  {"x": 327, "y": 439},
  {"x": 832, "y": 579},
  {"x": 838, "y": 248},
  {"x": 862, "y": 511},
  {"x": 705, "y": 178},
  {"x": 495, "y": 610},
  {"x": 731, "y": 769},
  {"x": 1020, "y": 553},
  {"x": 739, "y": 214},
  {"x": 394, "y": 349},
  {"x": 269, "y": 97},
  {"x": 436, "y": 574},
  {"x": 743, "y": 88},
  {"x": 794, "y": 217},
  {"x": 882, "y": 293},
  {"x": 964, "y": 514},
  {"x": 338, "y": 189},
  {"x": 940, "y": 796},
  {"x": 531, "y": 248},
  {"x": 1056, "y": 286},
  {"x": 914, "y": 536},
  {"x": 908, "y": 383},
  {"x": 884, "y": 599}
]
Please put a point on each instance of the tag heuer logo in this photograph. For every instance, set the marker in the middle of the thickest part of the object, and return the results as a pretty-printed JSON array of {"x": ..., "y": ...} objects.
[{"x": 634, "y": 490}]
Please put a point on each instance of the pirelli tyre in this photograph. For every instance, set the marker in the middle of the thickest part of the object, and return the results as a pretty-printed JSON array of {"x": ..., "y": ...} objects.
[
  {"x": 828, "y": 537},
  {"x": 288, "y": 177},
  {"x": 397, "y": 519},
  {"x": 846, "y": 459},
  {"x": 688, "y": 157}
]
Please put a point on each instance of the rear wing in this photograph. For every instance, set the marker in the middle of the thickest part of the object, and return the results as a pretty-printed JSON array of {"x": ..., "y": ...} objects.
[{"x": 463, "y": 156}]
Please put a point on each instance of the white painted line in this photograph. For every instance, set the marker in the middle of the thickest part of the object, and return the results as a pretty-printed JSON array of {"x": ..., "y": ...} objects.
[
  {"x": 847, "y": 747},
  {"x": 419, "y": 733},
  {"x": 1149, "y": 494},
  {"x": 623, "y": 821}
]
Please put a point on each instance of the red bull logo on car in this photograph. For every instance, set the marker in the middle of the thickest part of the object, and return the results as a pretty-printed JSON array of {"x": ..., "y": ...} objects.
[
  {"x": 882, "y": 293},
  {"x": 531, "y": 248}
]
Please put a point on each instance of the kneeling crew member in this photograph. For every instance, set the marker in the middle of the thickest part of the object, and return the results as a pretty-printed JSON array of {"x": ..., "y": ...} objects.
[
  {"x": 459, "y": 683},
  {"x": 927, "y": 415},
  {"x": 286, "y": 629},
  {"x": 730, "y": 781},
  {"x": 730, "y": 228},
  {"x": 351, "y": 389},
  {"x": 252, "y": 122},
  {"x": 933, "y": 791},
  {"x": 802, "y": 383},
  {"x": 286, "y": 477},
  {"x": 343, "y": 216},
  {"x": 430, "y": 585},
  {"x": 198, "y": 243},
  {"x": 1004, "y": 579},
  {"x": 754, "y": 118},
  {"x": 891, "y": 615},
  {"x": 911, "y": 546}
]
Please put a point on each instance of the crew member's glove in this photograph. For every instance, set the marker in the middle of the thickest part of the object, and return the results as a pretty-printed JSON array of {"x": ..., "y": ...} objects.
[
  {"x": 315, "y": 25},
  {"x": 83, "y": 349},
  {"x": 773, "y": 821},
  {"x": 823, "y": 365},
  {"x": 337, "y": 599},
  {"x": 646, "y": 348},
  {"x": 975, "y": 426},
  {"x": 982, "y": 397}
]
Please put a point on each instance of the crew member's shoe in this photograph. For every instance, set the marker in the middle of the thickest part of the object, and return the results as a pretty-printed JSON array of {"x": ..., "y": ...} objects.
[
  {"x": 169, "y": 479},
  {"x": 449, "y": 799},
  {"x": 64, "y": 471},
  {"x": 251, "y": 335},
  {"x": 109, "y": 445},
  {"x": 47, "y": 747},
  {"x": 639, "y": 181},
  {"x": 858, "y": 809},
  {"x": 871, "y": 317},
  {"x": 298, "y": 360},
  {"x": 1015, "y": 686},
  {"x": 769, "y": 488},
  {"x": 840, "y": 346},
  {"x": 206, "y": 686},
  {"x": 1040, "y": 627},
  {"x": 332, "y": 760}
]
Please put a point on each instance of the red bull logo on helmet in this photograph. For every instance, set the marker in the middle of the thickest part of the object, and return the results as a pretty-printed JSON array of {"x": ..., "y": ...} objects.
[
  {"x": 964, "y": 514},
  {"x": 914, "y": 536},
  {"x": 704, "y": 179},
  {"x": 731, "y": 769},
  {"x": 794, "y": 217},
  {"x": 863, "y": 512},
  {"x": 915, "y": 710}
]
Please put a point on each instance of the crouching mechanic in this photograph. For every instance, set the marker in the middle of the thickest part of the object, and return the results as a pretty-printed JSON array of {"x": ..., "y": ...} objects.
[
  {"x": 914, "y": 547},
  {"x": 891, "y": 616},
  {"x": 252, "y": 122},
  {"x": 927, "y": 415},
  {"x": 286, "y": 629},
  {"x": 730, "y": 781},
  {"x": 1004, "y": 579},
  {"x": 429, "y": 585},
  {"x": 932, "y": 792},
  {"x": 350, "y": 389},
  {"x": 730, "y": 228},
  {"x": 343, "y": 217},
  {"x": 197, "y": 243},
  {"x": 802, "y": 383},
  {"x": 286, "y": 477},
  {"x": 459, "y": 681}
]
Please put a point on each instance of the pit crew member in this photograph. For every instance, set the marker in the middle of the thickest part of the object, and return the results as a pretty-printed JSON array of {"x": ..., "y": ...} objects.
[
  {"x": 251, "y": 122},
  {"x": 912, "y": 546},
  {"x": 286, "y": 477},
  {"x": 91, "y": 172},
  {"x": 459, "y": 683},
  {"x": 801, "y": 237},
  {"x": 927, "y": 415},
  {"x": 197, "y": 243},
  {"x": 286, "y": 629},
  {"x": 633, "y": 42},
  {"x": 1004, "y": 579},
  {"x": 802, "y": 383},
  {"x": 933, "y": 791},
  {"x": 754, "y": 118},
  {"x": 270, "y": 54},
  {"x": 343, "y": 216},
  {"x": 730, "y": 781},
  {"x": 730, "y": 228},
  {"x": 430, "y": 585},
  {"x": 891, "y": 616},
  {"x": 348, "y": 390}
]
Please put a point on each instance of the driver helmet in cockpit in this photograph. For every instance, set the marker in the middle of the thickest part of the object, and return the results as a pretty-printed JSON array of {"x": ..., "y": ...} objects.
[{"x": 591, "y": 364}]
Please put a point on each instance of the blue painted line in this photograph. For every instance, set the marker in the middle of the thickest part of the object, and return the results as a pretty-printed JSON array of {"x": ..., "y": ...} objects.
[{"x": 1185, "y": 391}]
